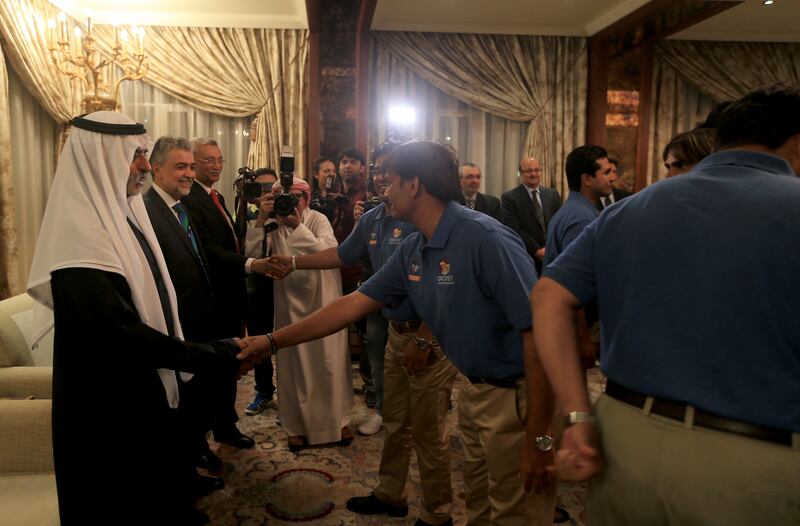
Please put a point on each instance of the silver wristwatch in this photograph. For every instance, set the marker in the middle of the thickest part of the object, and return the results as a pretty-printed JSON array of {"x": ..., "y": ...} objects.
[
  {"x": 577, "y": 416},
  {"x": 544, "y": 443},
  {"x": 422, "y": 343}
]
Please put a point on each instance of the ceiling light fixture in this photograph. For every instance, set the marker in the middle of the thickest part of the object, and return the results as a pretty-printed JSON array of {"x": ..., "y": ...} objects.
[{"x": 768, "y": 2}]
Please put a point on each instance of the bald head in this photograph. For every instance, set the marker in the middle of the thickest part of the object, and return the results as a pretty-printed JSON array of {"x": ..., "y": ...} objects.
[{"x": 530, "y": 172}]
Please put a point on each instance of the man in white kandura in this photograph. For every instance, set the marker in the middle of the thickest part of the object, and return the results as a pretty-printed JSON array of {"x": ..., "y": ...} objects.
[{"x": 315, "y": 390}]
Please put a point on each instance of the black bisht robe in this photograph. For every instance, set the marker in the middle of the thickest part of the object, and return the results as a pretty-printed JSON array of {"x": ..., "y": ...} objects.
[{"x": 119, "y": 449}]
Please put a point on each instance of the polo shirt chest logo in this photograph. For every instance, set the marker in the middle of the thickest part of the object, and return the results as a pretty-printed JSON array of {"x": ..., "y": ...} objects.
[
  {"x": 414, "y": 270},
  {"x": 397, "y": 236},
  {"x": 444, "y": 277}
]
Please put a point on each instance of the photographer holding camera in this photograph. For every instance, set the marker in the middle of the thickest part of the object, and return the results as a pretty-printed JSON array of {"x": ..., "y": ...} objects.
[
  {"x": 254, "y": 224},
  {"x": 314, "y": 387}
]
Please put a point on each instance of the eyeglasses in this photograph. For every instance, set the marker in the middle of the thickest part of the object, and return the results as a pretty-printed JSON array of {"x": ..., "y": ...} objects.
[
  {"x": 675, "y": 164},
  {"x": 211, "y": 161},
  {"x": 532, "y": 171}
]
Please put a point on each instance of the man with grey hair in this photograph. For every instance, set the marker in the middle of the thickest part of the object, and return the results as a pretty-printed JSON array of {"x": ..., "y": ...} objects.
[
  {"x": 470, "y": 179},
  {"x": 227, "y": 265},
  {"x": 203, "y": 398}
]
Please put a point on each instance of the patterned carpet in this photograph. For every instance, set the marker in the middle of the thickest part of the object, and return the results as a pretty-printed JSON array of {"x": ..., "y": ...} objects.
[{"x": 269, "y": 484}]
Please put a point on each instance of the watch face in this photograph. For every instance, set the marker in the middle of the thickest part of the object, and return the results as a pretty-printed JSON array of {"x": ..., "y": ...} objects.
[{"x": 544, "y": 442}]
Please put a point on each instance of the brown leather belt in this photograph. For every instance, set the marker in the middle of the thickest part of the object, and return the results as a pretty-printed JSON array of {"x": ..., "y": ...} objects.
[
  {"x": 677, "y": 411},
  {"x": 506, "y": 383},
  {"x": 405, "y": 326}
]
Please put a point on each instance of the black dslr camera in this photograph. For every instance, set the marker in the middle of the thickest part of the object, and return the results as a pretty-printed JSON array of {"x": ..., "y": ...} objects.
[
  {"x": 250, "y": 189},
  {"x": 247, "y": 186},
  {"x": 371, "y": 203},
  {"x": 285, "y": 203}
]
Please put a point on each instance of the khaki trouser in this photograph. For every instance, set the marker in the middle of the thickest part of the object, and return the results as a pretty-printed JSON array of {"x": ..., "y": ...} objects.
[
  {"x": 415, "y": 412},
  {"x": 659, "y": 471},
  {"x": 492, "y": 422}
]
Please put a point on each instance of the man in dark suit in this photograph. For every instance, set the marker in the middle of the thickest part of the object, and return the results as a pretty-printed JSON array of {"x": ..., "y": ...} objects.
[
  {"x": 617, "y": 194},
  {"x": 470, "y": 178},
  {"x": 172, "y": 162},
  {"x": 527, "y": 209},
  {"x": 226, "y": 264},
  {"x": 183, "y": 252}
]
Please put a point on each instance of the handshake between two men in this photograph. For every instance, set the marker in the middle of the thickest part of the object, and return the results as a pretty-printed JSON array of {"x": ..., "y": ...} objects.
[{"x": 256, "y": 349}]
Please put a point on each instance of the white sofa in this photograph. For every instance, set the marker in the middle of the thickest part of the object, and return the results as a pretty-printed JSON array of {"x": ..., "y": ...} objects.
[{"x": 27, "y": 481}]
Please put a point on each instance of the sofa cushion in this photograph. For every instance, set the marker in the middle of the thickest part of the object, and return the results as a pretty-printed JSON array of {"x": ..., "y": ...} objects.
[
  {"x": 29, "y": 498},
  {"x": 43, "y": 352},
  {"x": 26, "y": 443},
  {"x": 26, "y": 382},
  {"x": 13, "y": 346}
]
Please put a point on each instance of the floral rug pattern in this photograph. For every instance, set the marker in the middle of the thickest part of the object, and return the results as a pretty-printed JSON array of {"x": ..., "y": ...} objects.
[{"x": 269, "y": 484}]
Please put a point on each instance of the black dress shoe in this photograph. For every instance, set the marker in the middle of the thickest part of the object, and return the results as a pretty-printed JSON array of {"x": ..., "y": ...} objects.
[
  {"x": 208, "y": 460},
  {"x": 448, "y": 522},
  {"x": 234, "y": 438},
  {"x": 371, "y": 505},
  {"x": 206, "y": 485}
]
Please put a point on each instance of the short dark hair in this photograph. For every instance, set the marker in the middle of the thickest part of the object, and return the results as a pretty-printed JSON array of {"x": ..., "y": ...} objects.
[
  {"x": 583, "y": 160},
  {"x": 433, "y": 163},
  {"x": 353, "y": 153},
  {"x": 315, "y": 166},
  {"x": 766, "y": 117},
  {"x": 690, "y": 147},
  {"x": 384, "y": 148}
]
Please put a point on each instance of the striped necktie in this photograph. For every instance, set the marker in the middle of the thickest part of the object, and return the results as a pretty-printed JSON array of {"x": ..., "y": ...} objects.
[
  {"x": 183, "y": 217},
  {"x": 471, "y": 204}
]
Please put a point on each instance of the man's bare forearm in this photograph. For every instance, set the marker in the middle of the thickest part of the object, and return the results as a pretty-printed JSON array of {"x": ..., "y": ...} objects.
[
  {"x": 329, "y": 319},
  {"x": 539, "y": 396},
  {"x": 554, "y": 309},
  {"x": 325, "y": 259}
]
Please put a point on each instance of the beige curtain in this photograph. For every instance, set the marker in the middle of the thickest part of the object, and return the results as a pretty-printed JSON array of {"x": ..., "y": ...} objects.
[
  {"x": 677, "y": 107},
  {"x": 9, "y": 275},
  {"x": 35, "y": 141},
  {"x": 691, "y": 77},
  {"x": 728, "y": 70},
  {"x": 23, "y": 26},
  {"x": 537, "y": 79},
  {"x": 236, "y": 72}
]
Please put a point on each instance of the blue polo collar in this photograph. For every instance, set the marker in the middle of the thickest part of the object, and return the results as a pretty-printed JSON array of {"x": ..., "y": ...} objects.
[
  {"x": 758, "y": 160},
  {"x": 581, "y": 200},
  {"x": 446, "y": 223}
]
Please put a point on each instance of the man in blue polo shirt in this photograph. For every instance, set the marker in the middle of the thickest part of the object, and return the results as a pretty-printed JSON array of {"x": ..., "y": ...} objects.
[
  {"x": 416, "y": 381},
  {"x": 467, "y": 276},
  {"x": 698, "y": 288},
  {"x": 587, "y": 169}
]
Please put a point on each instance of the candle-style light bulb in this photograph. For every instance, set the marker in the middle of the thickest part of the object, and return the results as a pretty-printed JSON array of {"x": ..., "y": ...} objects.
[
  {"x": 88, "y": 14},
  {"x": 62, "y": 19}
]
